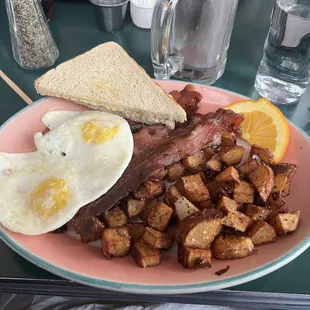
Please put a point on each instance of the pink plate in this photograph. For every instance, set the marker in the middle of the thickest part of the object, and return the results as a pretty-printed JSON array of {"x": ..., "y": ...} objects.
[{"x": 69, "y": 258}]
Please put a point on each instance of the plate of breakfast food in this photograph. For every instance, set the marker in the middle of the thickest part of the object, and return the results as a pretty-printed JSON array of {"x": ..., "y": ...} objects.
[{"x": 121, "y": 182}]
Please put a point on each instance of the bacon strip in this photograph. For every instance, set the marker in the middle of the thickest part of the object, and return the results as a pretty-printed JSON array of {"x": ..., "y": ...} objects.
[{"x": 174, "y": 146}]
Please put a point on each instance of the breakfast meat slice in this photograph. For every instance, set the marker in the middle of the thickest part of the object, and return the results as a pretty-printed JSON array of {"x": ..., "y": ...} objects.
[
  {"x": 93, "y": 229},
  {"x": 149, "y": 137},
  {"x": 135, "y": 126},
  {"x": 188, "y": 98},
  {"x": 180, "y": 143},
  {"x": 60, "y": 230}
]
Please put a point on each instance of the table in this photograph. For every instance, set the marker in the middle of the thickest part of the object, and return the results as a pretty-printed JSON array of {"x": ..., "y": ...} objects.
[{"x": 75, "y": 32}]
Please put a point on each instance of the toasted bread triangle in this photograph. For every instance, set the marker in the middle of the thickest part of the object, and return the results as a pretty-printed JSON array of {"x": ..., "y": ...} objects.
[{"x": 106, "y": 78}]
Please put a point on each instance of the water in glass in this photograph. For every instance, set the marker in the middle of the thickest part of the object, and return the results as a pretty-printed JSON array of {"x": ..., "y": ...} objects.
[{"x": 283, "y": 75}]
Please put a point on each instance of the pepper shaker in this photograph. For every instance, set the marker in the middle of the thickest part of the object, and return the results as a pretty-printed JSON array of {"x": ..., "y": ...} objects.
[{"x": 32, "y": 42}]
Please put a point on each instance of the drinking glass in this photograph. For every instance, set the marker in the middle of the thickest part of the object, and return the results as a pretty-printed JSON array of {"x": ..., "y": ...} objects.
[
  {"x": 190, "y": 38},
  {"x": 283, "y": 74}
]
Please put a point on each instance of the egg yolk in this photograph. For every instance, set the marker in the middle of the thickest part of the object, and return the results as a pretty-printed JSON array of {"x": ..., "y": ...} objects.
[
  {"x": 50, "y": 196},
  {"x": 93, "y": 133}
]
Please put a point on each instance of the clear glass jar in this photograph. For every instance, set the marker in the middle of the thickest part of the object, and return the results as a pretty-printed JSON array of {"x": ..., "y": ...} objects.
[{"x": 32, "y": 42}]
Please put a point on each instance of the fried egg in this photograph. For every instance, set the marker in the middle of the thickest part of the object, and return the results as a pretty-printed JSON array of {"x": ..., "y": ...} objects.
[{"x": 77, "y": 161}]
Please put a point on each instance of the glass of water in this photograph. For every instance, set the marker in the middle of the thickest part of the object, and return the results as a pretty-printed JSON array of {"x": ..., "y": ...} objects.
[{"x": 283, "y": 74}]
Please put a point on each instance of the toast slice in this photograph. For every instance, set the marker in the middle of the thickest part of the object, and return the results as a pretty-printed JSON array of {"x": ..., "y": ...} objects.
[{"x": 106, "y": 78}]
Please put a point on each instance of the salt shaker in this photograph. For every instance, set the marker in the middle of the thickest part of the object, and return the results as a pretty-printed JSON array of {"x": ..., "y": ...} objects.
[{"x": 32, "y": 42}]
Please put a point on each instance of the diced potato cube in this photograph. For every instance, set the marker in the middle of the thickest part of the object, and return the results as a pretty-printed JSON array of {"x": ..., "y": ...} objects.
[
  {"x": 256, "y": 213},
  {"x": 150, "y": 203},
  {"x": 149, "y": 189},
  {"x": 134, "y": 207},
  {"x": 231, "y": 155},
  {"x": 199, "y": 229},
  {"x": 193, "y": 258},
  {"x": 284, "y": 168},
  {"x": 159, "y": 216},
  {"x": 261, "y": 232},
  {"x": 263, "y": 180},
  {"x": 208, "y": 152},
  {"x": 216, "y": 191},
  {"x": 115, "y": 217},
  {"x": 157, "y": 239},
  {"x": 285, "y": 223},
  {"x": 264, "y": 154},
  {"x": 141, "y": 193},
  {"x": 236, "y": 220},
  {"x": 136, "y": 230},
  {"x": 244, "y": 192},
  {"x": 228, "y": 138},
  {"x": 227, "y": 204},
  {"x": 193, "y": 188},
  {"x": 275, "y": 199},
  {"x": 92, "y": 229},
  {"x": 214, "y": 163},
  {"x": 228, "y": 179},
  {"x": 154, "y": 187},
  {"x": 248, "y": 166},
  {"x": 276, "y": 208},
  {"x": 172, "y": 195},
  {"x": 183, "y": 208},
  {"x": 175, "y": 171},
  {"x": 282, "y": 184},
  {"x": 286, "y": 188},
  {"x": 232, "y": 246},
  {"x": 204, "y": 204},
  {"x": 195, "y": 163},
  {"x": 115, "y": 242},
  {"x": 145, "y": 255},
  {"x": 203, "y": 177}
]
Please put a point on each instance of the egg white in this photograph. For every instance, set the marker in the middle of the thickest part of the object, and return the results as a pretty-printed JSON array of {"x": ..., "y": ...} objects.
[
  {"x": 54, "y": 119},
  {"x": 89, "y": 169}
]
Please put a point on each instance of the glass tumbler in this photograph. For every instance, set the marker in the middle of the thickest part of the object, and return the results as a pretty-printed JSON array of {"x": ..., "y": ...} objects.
[
  {"x": 190, "y": 38},
  {"x": 283, "y": 74}
]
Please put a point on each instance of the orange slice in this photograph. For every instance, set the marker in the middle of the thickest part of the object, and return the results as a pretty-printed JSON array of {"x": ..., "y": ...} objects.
[{"x": 264, "y": 125}]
